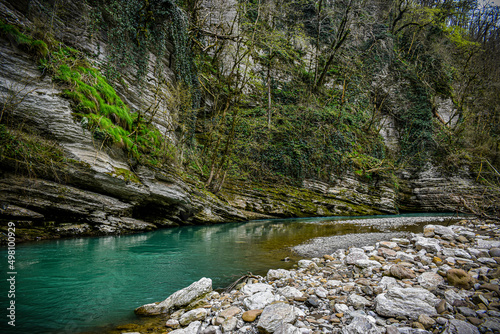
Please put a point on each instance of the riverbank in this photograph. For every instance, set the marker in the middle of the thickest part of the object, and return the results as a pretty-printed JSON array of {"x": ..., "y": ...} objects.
[{"x": 444, "y": 280}]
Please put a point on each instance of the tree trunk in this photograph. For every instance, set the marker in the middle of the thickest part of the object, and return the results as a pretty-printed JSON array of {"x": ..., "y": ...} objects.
[{"x": 269, "y": 96}]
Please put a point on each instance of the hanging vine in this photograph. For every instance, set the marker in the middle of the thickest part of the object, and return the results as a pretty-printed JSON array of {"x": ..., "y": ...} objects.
[{"x": 137, "y": 27}]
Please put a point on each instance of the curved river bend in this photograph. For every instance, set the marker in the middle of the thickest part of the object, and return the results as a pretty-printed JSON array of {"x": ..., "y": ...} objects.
[{"x": 76, "y": 285}]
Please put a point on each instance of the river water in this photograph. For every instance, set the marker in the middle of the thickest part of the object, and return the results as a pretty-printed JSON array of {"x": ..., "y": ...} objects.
[{"x": 76, "y": 285}]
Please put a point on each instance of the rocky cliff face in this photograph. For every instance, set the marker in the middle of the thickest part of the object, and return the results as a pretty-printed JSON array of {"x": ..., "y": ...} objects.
[{"x": 97, "y": 190}]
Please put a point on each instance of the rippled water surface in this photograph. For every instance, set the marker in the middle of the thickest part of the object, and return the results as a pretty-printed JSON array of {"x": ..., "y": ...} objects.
[{"x": 70, "y": 286}]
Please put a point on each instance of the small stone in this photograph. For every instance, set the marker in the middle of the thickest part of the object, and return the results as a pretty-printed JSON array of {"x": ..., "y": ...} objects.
[
  {"x": 417, "y": 325},
  {"x": 358, "y": 301},
  {"x": 362, "y": 324},
  {"x": 386, "y": 252},
  {"x": 401, "y": 272},
  {"x": 487, "y": 260},
  {"x": 229, "y": 325},
  {"x": 334, "y": 319},
  {"x": 211, "y": 330},
  {"x": 482, "y": 306},
  {"x": 426, "y": 321},
  {"x": 493, "y": 274},
  {"x": 230, "y": 312},
  {"x": 437, "y": 260},
  {"x": 401, "y": 241},
  {"x": 321, "y": 292},
  {"x": 312, "y": 301},
  {"x": 260, "y": 300},
  {"x": 275, "y": 315},
  {"x": 391, "y": 330},
  {"x": 377, "y": 258},
  {"x": 388, "y": 244},
  {"x": 328, "y": 257},
  {"x": 494, "y": 252},
  {"x": 459, "y": 278},
  {"x": 479, "y": 298},
  {"x": 430, "y": 280},
  {"x": 408, "y": 302},
  {"x": 193, "y": 315},
  {"x": 467, "y": 312},
  {"x": 429, "y": 244},
  {"x": 492, "y": 324},
  {"x": 251, "y": 289},
  {"x": 290, "y": 292},
  {"x": 348, "y": 288},
  {"x": 250, "y": 316},
  {"x": 275, "y": 274},
  {"x": 493, "y": 313},
  {"x": 172, "y": 323},
  {"x": 363, "y": 281},
  {"x": 341, "y": 308},
  {"x": 307, "y": 264},
  {"x": 475, "y": 321},
  {"x": 455, "y": 326},
  {"x": 494, "y": 305},
  {"x": 192, "y": 328},
  {"x": 441, "y": 306}
]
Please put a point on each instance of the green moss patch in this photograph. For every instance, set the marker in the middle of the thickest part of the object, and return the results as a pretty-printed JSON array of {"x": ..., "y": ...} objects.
[{"x": 34, "y": 46}]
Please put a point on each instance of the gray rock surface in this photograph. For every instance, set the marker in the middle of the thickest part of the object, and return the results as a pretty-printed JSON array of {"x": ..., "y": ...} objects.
[
  {"x": 260, "y": 300},
  {"x": 430, "y": 280},
  {"x": 193, "y": 315},
  {"x": 455, "y": 326},
  {"x": 362, "y": 325},
  {"x": 408, "y": 302},
  {"x": 275, "y": 315},
  {"x": 178, "y": 299}
]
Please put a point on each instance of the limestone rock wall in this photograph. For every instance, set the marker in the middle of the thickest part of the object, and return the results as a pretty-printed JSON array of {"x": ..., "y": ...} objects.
[{"x": 98, "y": 187}]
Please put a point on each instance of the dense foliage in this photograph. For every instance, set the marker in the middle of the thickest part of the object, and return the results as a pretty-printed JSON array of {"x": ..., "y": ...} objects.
[{"x": 291, "y": 90}]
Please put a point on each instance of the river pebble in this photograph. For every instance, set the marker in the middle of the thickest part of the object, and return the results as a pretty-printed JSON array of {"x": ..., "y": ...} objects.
[{"x": 444, "y": 280}]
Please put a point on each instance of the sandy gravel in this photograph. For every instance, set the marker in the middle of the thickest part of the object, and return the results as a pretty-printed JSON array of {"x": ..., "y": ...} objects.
[{"x": 326, "y": 245}]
